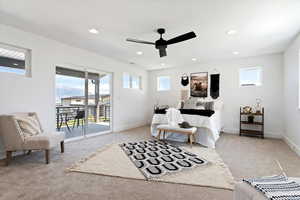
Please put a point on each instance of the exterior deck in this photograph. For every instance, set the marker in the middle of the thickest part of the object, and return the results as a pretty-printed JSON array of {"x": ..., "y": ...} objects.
[{"x": 71, "y": 120}]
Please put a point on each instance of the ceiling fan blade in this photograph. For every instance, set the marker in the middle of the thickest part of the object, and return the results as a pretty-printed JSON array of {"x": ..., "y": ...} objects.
[
  {"x": 139, "y": 41},
  {"x": 181, "y": 38},
  {"x": 162, "y": 52}
]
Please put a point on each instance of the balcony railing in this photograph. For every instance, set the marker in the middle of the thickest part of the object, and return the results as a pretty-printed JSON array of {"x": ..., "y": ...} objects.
[{"x": 71, "y": 116}]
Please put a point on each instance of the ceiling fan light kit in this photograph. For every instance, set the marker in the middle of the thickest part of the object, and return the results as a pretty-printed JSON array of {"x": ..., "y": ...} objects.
[{"x": 162, "y": 44}]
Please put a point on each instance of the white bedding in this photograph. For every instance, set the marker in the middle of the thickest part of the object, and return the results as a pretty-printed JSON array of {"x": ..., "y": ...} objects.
[{"x": 208, "y": 128}]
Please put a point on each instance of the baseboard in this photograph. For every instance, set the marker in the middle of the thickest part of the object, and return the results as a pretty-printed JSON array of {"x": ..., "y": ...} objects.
[
  {"x": 292, "y": 145},
  {"x": 124, "y": 127},
  {"x": 267, "y": 134}
]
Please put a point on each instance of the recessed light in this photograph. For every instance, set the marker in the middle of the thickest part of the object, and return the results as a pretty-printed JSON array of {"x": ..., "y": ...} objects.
[
  {"x": 93, "y": 31},
  {"x": 15, "y": 64},
  {"x": 236, "y": 53},
  {"x": 139, "y": 53},
  {"x": 194, "y": 59},
  {"x": 231, "y": 32},
  {"x": 162, "y": 64}
]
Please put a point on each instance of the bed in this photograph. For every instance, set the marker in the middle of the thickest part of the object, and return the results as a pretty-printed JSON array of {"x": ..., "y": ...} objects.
[{"x": 208, "y": 127}]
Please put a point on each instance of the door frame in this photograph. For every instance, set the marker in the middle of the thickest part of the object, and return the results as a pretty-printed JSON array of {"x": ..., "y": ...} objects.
[{"x": 86, "y": 70}]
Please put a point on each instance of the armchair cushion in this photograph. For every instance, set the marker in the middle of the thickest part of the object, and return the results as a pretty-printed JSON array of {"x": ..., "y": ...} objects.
[
  {"x": 44, "y": 141},
  {"x": 55, "y": 138},
  {"x": 36, "y": 143}
]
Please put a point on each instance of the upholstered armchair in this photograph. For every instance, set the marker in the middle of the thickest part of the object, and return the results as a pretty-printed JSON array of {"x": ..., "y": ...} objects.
[{"x": 17, "y": 138}]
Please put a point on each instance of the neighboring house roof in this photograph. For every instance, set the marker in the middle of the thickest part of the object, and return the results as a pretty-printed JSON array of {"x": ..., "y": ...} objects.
[{"x": 83, "y": 97}]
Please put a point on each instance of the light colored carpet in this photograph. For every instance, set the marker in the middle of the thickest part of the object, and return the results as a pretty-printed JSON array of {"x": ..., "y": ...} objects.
[
  {"x": 29, "y": 178},
  {"x": 112, "y": 161}
]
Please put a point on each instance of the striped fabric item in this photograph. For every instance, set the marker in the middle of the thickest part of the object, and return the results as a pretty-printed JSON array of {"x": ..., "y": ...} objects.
[{"x": 277, "y": 187}]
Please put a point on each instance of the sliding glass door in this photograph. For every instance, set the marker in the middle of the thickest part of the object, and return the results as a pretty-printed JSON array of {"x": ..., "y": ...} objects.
[
  {"x": 83, "y": 102},
  {"x": 70, "y": 101},
  {"x": 98, "y": 104}
]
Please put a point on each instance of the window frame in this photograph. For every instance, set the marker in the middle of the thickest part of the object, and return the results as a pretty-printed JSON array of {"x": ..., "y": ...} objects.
[
  {"x": 158, "y": 83},
  {"x": 260, "y": 82},
  {"x": 28, "y": 58},
  {"x": 131, "y": 76},
  {"x": 138, "y": 78},
  {"x": 129, "y": 80}
]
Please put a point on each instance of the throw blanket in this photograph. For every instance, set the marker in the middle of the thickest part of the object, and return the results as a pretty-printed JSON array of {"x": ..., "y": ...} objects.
[
  {"x": 276, "y": 187},
  {"x": 206, "y": 113},
  {"x": 174, "y": 117}
]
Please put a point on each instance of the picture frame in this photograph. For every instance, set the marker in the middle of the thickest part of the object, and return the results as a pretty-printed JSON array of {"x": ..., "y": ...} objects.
[{"x": 199, "y": 84}]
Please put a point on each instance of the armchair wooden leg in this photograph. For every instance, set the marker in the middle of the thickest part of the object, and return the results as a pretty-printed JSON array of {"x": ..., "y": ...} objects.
[
  {"x": 62, "y": 147},
  {"x": 47, "y": 152},
  {"x": 8, "y": 157}
]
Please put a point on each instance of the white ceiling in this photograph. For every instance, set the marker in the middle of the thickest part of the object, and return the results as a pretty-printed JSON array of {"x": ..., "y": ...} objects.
[{"x": 263, "y": 26}]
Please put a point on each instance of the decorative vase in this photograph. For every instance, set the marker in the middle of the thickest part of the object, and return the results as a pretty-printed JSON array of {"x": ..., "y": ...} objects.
[{"x": 258, "y": 106}]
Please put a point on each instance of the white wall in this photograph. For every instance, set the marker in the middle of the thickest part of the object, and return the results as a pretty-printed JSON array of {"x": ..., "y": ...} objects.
[
  {"x": 18, "y": 93},
  {"x": 233, "y": 95},
  {"x": 291, "y": 95}
]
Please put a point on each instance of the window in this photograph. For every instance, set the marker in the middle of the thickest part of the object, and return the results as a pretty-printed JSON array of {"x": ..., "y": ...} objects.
[
  {"x": 135, "y": 81},
  {"x": 14, "y": 60},
  {"x": 163, "y": 83},
  {"x": 131, "y": 81},
  {"x": 126, "y": 80},
  {"x": 251, "y": 76}
]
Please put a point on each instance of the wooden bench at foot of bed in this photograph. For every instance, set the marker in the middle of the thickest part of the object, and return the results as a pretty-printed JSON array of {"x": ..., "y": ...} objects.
[{"x": 190, "y": 132}]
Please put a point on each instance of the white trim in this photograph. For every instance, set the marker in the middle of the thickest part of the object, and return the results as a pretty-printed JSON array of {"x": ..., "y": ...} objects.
[
  {"x": 74, "y": 139},
  {"x": 292, "y": 145},
  {"x": 98, "y": 134},
  {"x": 128, "y": 126},
  {"x": 27, "y": 59}
]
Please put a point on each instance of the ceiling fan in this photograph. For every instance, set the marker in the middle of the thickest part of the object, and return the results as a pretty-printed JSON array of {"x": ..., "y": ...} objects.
[{"x": 162, "y": 44}]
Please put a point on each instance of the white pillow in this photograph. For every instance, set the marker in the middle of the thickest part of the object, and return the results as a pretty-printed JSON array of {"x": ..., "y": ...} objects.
[
  {"x": 190, "y": 103},
  {"x": 29, "y": 125},
  {"x": 207, "y": 99},
  {"x": 200, "y": 108}
]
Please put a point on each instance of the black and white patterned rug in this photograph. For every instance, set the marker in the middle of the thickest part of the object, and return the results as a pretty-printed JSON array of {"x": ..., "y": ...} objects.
[{"x": 157, "y": 158}]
